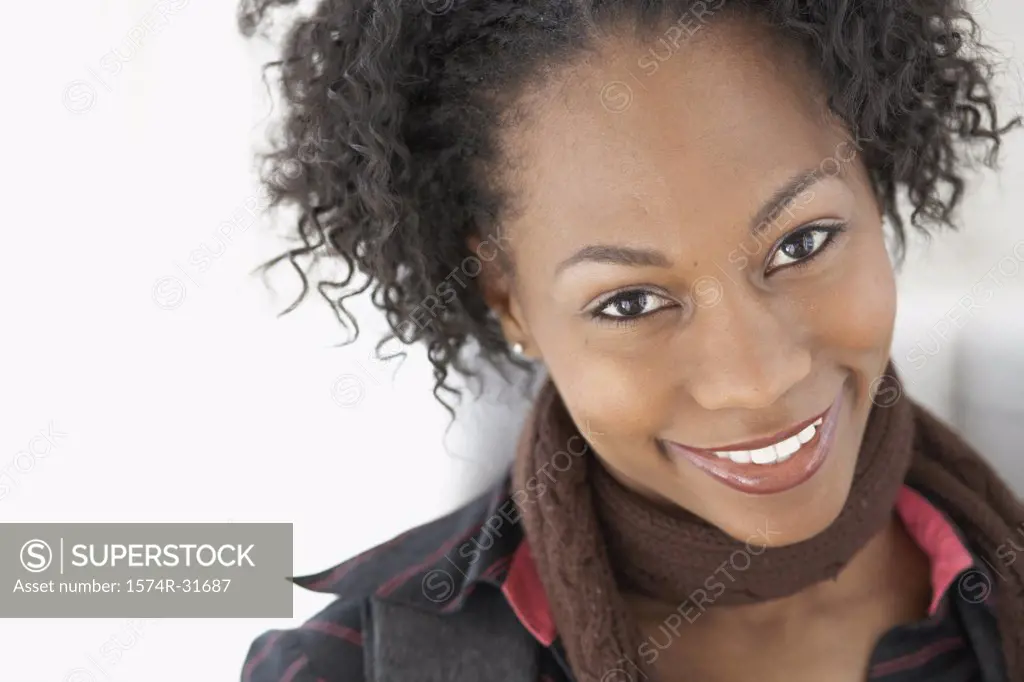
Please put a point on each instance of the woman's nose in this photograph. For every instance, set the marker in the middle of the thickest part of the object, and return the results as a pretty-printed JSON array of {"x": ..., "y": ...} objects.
[{"x": 743, "y": 354}]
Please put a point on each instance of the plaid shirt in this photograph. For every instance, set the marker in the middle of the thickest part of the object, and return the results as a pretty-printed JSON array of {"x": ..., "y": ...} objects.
[{"x": 440, "y": 565}]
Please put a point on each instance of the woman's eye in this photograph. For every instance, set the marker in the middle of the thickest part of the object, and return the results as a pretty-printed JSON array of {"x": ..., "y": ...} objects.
[
  {"x": 801, "y": 246},
  {"x": 631, "y": 304}
]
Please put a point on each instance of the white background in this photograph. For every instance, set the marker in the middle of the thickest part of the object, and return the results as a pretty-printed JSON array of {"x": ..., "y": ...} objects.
[{"x": 186, "y": 399}]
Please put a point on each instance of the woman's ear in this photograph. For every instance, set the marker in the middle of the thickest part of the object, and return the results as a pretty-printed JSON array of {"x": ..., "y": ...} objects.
[{"x": 495, "y": 283}]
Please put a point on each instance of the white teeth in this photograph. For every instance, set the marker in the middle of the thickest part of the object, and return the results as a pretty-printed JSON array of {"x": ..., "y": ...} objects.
[
  {"x": 807, "y": 434},
  {"x": 779, "y": 452},
  {"x": 740, "y": 456},
  {"x": 763, "y": 456},
  {"x": 786, "y": 448}
]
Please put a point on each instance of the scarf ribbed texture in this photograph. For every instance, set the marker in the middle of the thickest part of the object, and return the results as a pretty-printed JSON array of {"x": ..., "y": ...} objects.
[{"x": 591, "y": 537}]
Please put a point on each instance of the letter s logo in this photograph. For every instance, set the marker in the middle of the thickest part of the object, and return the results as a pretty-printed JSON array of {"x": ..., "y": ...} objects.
[{"x": 36, "y": 556}]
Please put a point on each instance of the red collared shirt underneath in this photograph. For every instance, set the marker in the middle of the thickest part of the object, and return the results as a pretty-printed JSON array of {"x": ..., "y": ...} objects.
[{"x": 439, "y": 565}]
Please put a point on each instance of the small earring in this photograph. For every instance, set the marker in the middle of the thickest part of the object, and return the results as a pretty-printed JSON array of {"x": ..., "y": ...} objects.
[{"x": 517, "y": 348}]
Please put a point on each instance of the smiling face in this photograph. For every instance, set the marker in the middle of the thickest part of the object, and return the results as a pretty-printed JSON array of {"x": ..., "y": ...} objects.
[{"x": 702, "y": 267}]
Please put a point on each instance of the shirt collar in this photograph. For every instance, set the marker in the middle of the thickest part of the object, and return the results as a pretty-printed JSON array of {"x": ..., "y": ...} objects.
[
  {"x": 938, "y": 539},
  {"x": 435, "y": 566}
]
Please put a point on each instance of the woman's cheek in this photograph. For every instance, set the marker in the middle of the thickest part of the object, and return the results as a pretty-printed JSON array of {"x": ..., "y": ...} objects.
[
  {"x": 858, "y": 312},
  {"x": 618, "y": 398}
]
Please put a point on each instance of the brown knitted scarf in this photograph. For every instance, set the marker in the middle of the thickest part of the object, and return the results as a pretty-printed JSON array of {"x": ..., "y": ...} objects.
[{"x": 591, "y": 537}]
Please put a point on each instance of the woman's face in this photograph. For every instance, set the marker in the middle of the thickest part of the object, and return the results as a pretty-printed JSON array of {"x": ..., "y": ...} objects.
[{"x": 678, "y": 306}]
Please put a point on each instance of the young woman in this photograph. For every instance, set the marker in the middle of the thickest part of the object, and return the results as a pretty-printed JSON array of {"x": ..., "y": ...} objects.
[{"x": 679, "y": 212}]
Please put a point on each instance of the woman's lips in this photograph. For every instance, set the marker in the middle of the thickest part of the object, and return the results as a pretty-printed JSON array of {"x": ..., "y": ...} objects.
[{"x": 772, "y": 464}]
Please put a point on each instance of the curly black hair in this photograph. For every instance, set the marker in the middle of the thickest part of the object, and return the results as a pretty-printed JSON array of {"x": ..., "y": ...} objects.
[{"x": 389, "y": 146}]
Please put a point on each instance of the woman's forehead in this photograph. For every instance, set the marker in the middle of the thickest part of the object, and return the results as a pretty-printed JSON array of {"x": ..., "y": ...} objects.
[{"x": 696, "y": 140}]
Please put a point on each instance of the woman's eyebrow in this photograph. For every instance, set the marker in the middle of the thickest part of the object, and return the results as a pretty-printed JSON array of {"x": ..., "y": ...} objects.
[
  {"x": 641, "y": 257},
  {"x": 785, "y": 194},
  {"x": 617, "y": 255}
]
